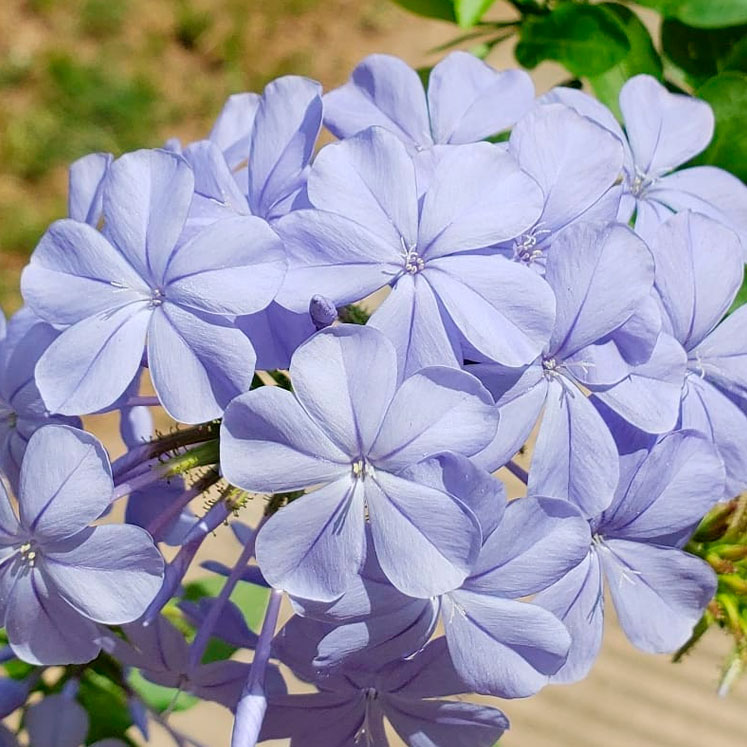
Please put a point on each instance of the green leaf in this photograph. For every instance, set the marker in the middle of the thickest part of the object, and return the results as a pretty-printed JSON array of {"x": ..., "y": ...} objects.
[
  {"x": 249, "y": 598},
  {"x": 587, "y": 39},
  {"x": 106, "y": 704},
  {"x": 727, "y": 94},
  {"x": 441, "y": 9},
  {"x": 642, "y": 57},
  {"x": 701, "y": 13},
  {"x": 702, "y": 53},
  {"x": 160, "y": 698},
  {"x": 469, "y": 12}
]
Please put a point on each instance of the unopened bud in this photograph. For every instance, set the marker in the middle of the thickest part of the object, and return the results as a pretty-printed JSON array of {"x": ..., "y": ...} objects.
[{"x": 322, "y": 311}]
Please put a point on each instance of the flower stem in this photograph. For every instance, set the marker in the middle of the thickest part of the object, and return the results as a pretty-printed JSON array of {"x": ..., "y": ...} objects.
[
  {"x": 253, "y": 702},
  {"x": 197, "y": 649}
]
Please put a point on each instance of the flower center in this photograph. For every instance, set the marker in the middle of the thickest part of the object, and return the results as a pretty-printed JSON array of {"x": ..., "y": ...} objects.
[
  {"x": 361, "y": 469},
  {"x": 550, "y": 366},
  {"x": 411, "y": 260},
  {"x": 156, "y": 297},
  {"x": 526, "y": 250},
  {"x": 641, "y": 182},
  {"x": 28, "y": 554}
]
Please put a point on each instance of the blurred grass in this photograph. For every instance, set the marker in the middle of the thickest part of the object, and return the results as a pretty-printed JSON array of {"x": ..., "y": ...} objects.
[{"x": 78, "y": 76}]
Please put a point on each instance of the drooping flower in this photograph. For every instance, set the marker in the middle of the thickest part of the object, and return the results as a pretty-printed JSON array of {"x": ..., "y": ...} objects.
[
  {"x": 699, "y": 269},
  {"x": 114, "y": 291},
  {"x": 664, "y": 130},
  {"x": 355, "y": 435},
  {"x": 160, "y": 652},
  {"x": 659, "y": 591},
  {"x": 370, "y": 231},
  {"x": 58, "y": 576},
  {"x": 466, "y": 101},
  {"x": 22, "y": 410},
  {"x": 350, "y": 708}
]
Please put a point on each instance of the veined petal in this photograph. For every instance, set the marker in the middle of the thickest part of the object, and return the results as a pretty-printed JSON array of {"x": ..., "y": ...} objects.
[
  {"x": 85, "y": 183},
  {"x": 146, "y": 200},
  {"x": 384, "y": 91},
  {"x": 426, "y": 540},
  {"x": 75, "y": 273},
  {"x": 108, "y": 573},
  {"x": 502, "y": 647},
  {"x": 477, "y": 197},
  {"x": 313, "y": 547},
  {"x": 91, "y": 363},
  {"x": 575, "y": 457},
  {"x": 234, "y": 266},
  {"x": 332, "y": 380},
  {"x": 659, "y": 593},
  {"x": 269, "y": 443},
  {"x": 65, "y": 483},
  {"x": 506, "y": 311},
  {"x": 434, "y": 407},
  {"x": 198, "y": 363},
  {"x": 470, "y": 101},
  {"x": 370, "y": 179}
]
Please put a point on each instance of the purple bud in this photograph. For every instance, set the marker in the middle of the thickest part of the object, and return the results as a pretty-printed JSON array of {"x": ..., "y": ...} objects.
[{"x": 322, "y": 311}]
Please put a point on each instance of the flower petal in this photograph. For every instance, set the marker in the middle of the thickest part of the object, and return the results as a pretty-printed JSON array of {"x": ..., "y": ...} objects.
[
  {"x": 146, "y": 199},
  {"x": 269, "y": 443},
  {"x": 659, "y": 593},
  {"x": 86, "y": 177},
  {"x": 502, "y": 647},
  {"x": 470, "y": 101},
  {"x": 285, "y": 128},
  {"x": 505, "y": 310},
  {"x": 44, "y": 629},
  {"x": 434, "y": 407},
  {"x": 383, "y": 91},
  {"x": 578, "y": 602},
  {"x": 66, "y": 482},
  {"x": 75, "y": 273},
  {"x": 478, "y": 196},
  {"x": 313, "y": 547},
  {"x": 425, "y": 539},
  {"x": 198, "y": 364},
  {"x": 91, "y": 363},
  {"x": 332, "y": 380},
  {"x": 575, "y": 457}
]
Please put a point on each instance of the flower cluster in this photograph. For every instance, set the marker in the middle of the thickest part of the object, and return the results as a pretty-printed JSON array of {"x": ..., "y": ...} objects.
[{"x": 543, "y": 270}]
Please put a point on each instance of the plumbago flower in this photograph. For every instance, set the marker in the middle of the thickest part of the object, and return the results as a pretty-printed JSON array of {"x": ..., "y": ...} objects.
[
  {"x": 370, "y": 230},
  {"x": 588, "y": 263},
  {"x": 576, "y": 162},
  {"x": 664, "y": 130},
  {"x": 58, "y": 576},
  {"x": 659, "y": 591},
  {"x": 699, "y": 269},
  {"x": 498, "y": 644},
  {"x": 358, "y": 437},
  {"x": 255, "y": 162},
  {"x": 22, "y": 410},
  {"x": 114, "y": 290},
  {"x": 350, "y": 707},
  {"x": 466, "y": 101}
]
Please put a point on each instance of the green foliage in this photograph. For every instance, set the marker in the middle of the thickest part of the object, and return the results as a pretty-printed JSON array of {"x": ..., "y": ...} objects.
[
  {"x": 727, "y": 94},
  {"x": 107, "y": 708},
  {"x": 441, "y": 9},
  {"x": 701, "y": 13},
  {"x": 101, "y": 18},
  {"x": 191, "y": 24},
  {"x": 587, "y": 39},
  {"x": 159, "y": 698},
  {"x": 642, "y": 57},
  {"x": 703, "y": 53},
  {"x": 469, "y": 12}
]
